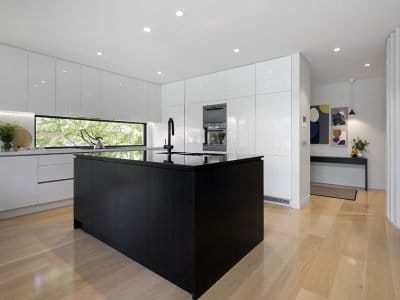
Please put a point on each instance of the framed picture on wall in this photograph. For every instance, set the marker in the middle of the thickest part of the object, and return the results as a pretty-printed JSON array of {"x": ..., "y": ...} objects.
[
  {"x": 339, "y": 116},
  {"x": 339, "y": 136}
]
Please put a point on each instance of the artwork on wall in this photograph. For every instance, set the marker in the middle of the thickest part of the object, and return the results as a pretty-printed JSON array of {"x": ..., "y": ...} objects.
[
  {"x": 339, "y": 131},
  {"x": 319, "y": 124}
]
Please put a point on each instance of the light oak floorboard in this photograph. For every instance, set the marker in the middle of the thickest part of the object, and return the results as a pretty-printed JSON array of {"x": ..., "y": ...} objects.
[{"x": 331, "y": 249}]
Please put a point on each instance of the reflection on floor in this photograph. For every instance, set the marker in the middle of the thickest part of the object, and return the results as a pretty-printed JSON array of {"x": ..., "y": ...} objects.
[{"x": 332, "y": 249}]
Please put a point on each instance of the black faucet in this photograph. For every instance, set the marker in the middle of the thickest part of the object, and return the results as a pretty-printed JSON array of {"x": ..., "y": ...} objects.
[{"x": 171, "y": 131}]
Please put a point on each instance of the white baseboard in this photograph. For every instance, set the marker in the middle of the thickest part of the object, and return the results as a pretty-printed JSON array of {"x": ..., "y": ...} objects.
[{"x": 33, "y": 209}]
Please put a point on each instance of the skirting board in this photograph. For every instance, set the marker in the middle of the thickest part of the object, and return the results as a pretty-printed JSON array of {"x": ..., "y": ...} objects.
[{"x": 33, "y": 209}]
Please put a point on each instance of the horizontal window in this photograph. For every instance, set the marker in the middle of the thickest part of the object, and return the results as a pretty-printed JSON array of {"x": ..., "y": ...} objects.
[{"x": 60, "y": 132}]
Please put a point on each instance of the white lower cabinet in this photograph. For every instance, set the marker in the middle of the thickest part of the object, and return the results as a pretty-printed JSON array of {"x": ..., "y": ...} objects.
[
  {"x": 18, "y": 182},
  {"x": 241, "y": 125},
  {"x": 55, "y": 191}
]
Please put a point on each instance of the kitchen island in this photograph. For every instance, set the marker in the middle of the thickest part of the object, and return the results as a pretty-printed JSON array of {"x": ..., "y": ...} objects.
[{"x": 188, "y": 217}]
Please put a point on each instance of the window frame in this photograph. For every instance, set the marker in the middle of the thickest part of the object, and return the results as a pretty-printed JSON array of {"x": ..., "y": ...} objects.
[{"x": 97, "y": 120}]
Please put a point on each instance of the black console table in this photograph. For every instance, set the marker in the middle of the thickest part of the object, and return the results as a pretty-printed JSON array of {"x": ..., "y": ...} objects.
[{"x": 344, "y": 160}]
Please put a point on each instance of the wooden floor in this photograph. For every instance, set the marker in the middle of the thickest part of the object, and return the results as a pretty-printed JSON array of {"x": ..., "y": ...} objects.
[{"x": 332, "y": 249}]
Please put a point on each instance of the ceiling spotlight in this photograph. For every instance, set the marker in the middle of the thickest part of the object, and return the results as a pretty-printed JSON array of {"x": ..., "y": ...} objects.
[
  {"x": 147, "y": 29},
  {"x": 337, "y": 49},
  {"x": 43, "y": 82},
  {"x": 99, "y": 53},
  {"x": 367, "y": 65},
  {"x": 179, "y": 13},
  {"x": 159, "y": 73},
  {"x": 237, "y": 50}
]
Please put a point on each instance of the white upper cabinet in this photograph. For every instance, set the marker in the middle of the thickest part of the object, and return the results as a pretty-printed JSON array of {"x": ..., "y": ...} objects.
[
  {"x": 173, "y": 93},
  {"x": 126, "y": 107},
  {"x": 274, "y": 75},
  {"x": 154, "y": 103},
  {"x": 241, "y": 82},
  {"x": 13, "y": 67},
  {"x": 241, "y": 125},
  {"x": 194, "y": 90},
  {"x": 111, "y": 86},
  {"x": 68, "y": 89},
  {"x": 214, "y": 86},
  {"x": 90, "y": 92},
  {"x": 140, "y": 100},
  {"x": 41, "y": 84},
  {"x": 194, "y": 132}
]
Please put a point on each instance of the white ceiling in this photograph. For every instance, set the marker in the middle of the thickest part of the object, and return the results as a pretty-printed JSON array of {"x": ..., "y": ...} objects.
[{"x": 202, "y": 41}]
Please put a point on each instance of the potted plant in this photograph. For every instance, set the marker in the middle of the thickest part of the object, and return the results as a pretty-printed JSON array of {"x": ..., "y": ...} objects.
[
  {"x": 7, "y": 134},
  {"x": 360, "y": 146}
]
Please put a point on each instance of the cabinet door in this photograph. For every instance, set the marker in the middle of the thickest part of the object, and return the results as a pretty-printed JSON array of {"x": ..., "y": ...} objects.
[
  {"x": 194, "y": 135},
  {"x": 194, "y": 90},
  {"x": 177, "y": 112},
  {"x": 111, "y": 85},
  {"x": 132, "y": 211},
  {"x": 13, "y": 74},
  {"x": 140, "y": 101},
  {"x": 18, "y": 179},
  {"x": 241, "y": 125},
  {"x": 55, "y": 191},
  {"x": 68, "y": 89},
  {"x": 274, "y": 75},
  {"x": 90, "y": 92},
  {"x": 214, "y": 86},
  {"x": 41, "y": 84},
  {"x": 104, "y": 192},
  {"x": 83, "y": 198},
  {"x": 154, "y": 103},
  {"x": 241, "y": 82},
  {"x": 126, "y": 107},
  {"x": 173, "y": 93}
]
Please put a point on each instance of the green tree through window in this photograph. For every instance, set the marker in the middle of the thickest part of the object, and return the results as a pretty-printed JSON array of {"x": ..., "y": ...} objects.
[{"x": 65, "y": 132}]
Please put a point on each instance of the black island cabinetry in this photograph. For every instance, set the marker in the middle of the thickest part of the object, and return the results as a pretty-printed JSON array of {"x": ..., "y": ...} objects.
[{"x": 189, "y": 219}]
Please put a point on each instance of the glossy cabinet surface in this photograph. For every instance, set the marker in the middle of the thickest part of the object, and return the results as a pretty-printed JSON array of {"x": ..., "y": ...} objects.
[
  {"x": 140, "y": 97},
  {"x": 241, "y": 125},
  {"x": 241, "y": 82},
  {"x": 41, "y": 84},
  {"x": 173, "y": 93},
  {"x": 194, "y": 132},
  {"x": 55, "y": 191},
  {"x": 90, "y": 92},
  {"x": 194, "y": 90},
  {"x": 13, "y": 79},
  {"x": 274, "y": 75},
  {"x": 18, "y": 179},
  {"x": 214, "y": 86},
  {"x": 154, "y": 103},
  {"x": 111, "y": 85},
  {"x": 68, "y": 89}
]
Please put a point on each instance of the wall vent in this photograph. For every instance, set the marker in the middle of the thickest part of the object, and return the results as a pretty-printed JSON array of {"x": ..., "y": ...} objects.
[{"x": 277, "y": 200}]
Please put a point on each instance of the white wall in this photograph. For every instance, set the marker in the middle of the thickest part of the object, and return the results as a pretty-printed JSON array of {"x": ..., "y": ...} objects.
[{"x": 369, "y": 123}]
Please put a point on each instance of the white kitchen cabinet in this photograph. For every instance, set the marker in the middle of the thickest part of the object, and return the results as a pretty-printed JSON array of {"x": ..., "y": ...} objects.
[
  {"x": 90, "y": 92},
  {"x": 111, "y": 87},
  {"x": 55, "y": 191},
  {"x": 126, "y": 105},
  {"x": 13, "y": 79},
  {"x": 241, "y": 82},
  {"x": 277, "y": 176},
  {"x": 18, "y": 179},
  {"x": 274, "y": 76},
  {"x": 154, "y": 103},
  {"x": 241, "y": 125},
  {"x": 214, "y": 86},
  {"x": 68, "y": 89},
  {"x": 194, "y": 132},
  {"x": 41, "y": 84},
  {"x": 173, "y": 93},
  {"x": 177, "y": 112},
  {"x": 140, "y": 101},
  {"x": 194, "y": 90}
]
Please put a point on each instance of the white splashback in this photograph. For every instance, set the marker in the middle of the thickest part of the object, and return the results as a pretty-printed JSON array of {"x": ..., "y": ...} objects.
[{"x": 23, "y": 119}]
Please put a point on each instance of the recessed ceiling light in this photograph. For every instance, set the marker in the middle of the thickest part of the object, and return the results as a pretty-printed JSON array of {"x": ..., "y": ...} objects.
[
  {"x": 237, "y": 50},
  {"x": 64, "y": 71},
  {"x": 43, "y": 81},
  {"x": 179, "y": 13},
  {"x": 99, "y": 53},
  {"x": 337, "y": 49},
  {"x": 159, "y": 73},
  {"x": 367, "y": 65},
  {"x": 147, "y": 29}
]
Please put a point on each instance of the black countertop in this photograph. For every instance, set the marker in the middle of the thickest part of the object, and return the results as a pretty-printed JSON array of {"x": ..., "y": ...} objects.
[{"x": 160, "y": 158}]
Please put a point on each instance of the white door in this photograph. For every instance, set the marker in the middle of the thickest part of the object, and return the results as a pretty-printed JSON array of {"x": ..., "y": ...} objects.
[
  {"x": 68, "y": 89},
  {"x": 273, "y": 140},
  {"x": 41, "y": 84},
  {"x": 241, "y": 125},
  {"x": 13, "y": 79},
  {"x": 90, "y": 92}
]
